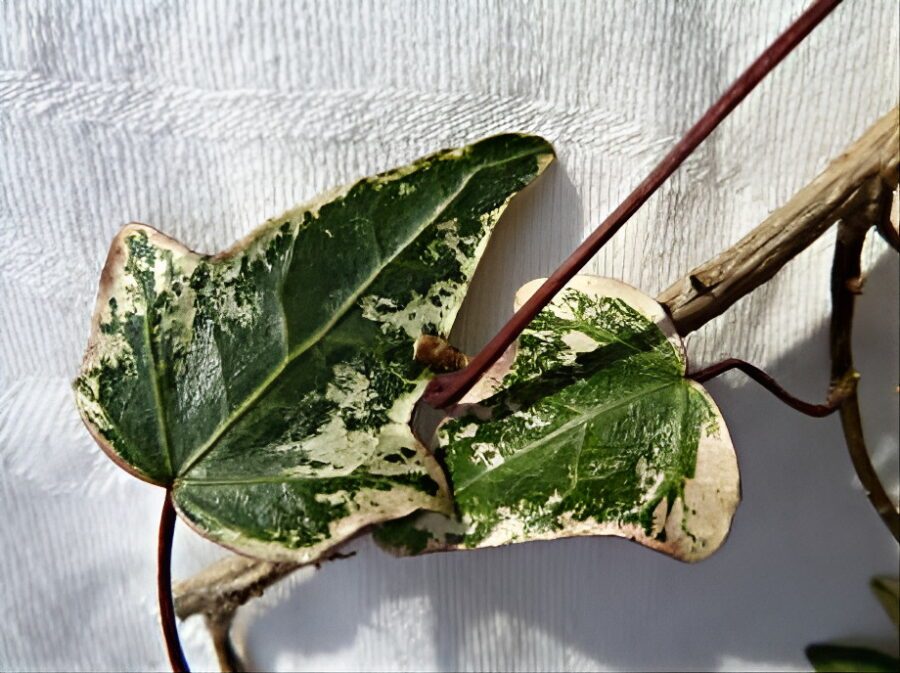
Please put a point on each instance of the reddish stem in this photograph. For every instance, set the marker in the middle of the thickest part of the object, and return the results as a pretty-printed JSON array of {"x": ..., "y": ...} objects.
[
  {"x": 883, "y": 221},
  {"x": 767, "y": 382},
  {"x": 447, "y": 389},
  {"x": 164, "y": 586}
]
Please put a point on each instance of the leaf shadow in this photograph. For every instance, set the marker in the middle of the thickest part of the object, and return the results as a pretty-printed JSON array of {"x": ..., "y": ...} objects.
[
  {"x": 795, "y": 569},
  {"x": 527, "y": 241}
]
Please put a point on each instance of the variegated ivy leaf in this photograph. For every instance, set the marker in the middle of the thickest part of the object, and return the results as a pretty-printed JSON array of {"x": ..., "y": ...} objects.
[
  {"x": 830, "y": 658},
  {"x": 595, "y": 431},
  {"x": 270, "y": 386}
]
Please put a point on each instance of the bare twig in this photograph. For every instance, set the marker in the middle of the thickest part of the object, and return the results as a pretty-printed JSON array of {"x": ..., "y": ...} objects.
[
  {"x": 853, "y": 179},
  {"x": 223, "y": 587},
  {"x": 220, "y": 589},
  {"x": 220, "y": 631},
  {"x": 846, "y": 283}
]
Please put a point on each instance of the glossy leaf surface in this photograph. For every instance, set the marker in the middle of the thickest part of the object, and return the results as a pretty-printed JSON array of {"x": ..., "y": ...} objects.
[
  {"x": 271, "y": 385},
  {"x": 594, "y": 431}
]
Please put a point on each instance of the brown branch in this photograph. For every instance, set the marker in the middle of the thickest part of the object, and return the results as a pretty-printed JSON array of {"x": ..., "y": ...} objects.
[
  {"x": 223, "y": 587},
  {"x": 852, "y": 179},
  {"x": 846, "y": 283},
  {"x": 220, "y": 632},
  {"x": 220, "y": 589},
  {"x": 217, "y": 592}
]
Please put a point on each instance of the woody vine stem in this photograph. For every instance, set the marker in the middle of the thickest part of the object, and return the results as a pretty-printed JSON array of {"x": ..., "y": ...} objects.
[
  {"x": 866, "y": 174},
  {"x": 846, "y": 283}
]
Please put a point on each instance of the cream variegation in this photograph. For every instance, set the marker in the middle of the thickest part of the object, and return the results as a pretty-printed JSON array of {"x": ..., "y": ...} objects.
[{"x": 591, "y": 428}]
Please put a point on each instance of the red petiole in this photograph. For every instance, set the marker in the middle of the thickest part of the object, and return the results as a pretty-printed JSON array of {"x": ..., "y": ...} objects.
[
  {"x": 835, "y": 399},
  {"x": 164, "y": 586}
]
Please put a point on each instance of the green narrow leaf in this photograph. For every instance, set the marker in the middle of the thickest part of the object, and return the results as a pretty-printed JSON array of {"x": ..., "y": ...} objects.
[
  {"x": 271, "y": 385},
  {"x": 840, "y": 658},
  {"x": 594, "y": 431},
  {"x": 887, "y": 591}
]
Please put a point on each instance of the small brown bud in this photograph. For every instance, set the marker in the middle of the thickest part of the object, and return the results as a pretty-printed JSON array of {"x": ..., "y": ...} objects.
[{"x": 438, "y": 354}]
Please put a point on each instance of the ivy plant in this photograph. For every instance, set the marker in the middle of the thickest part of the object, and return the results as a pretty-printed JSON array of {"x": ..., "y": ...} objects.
[
  {"x": 270, "y": 388},
  {"x": 592, "y": 430}
]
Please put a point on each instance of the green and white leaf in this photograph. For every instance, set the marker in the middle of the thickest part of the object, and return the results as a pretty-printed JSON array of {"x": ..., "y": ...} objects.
[
  {"x": 830, "y": 658},
  {"x": 270, "y": 386},
  {"x": 594, "y": 431}
]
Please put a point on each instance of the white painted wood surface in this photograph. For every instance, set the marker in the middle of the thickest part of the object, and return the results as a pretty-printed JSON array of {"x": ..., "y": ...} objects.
[{"x": 205, "y": 118}]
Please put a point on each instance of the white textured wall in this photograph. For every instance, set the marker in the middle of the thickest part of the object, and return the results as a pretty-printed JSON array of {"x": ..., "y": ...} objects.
[{"x": 205, "y": 118}]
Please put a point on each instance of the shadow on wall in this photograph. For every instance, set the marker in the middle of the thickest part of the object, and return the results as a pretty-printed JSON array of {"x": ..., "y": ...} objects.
[
  {"x": 529, "y": 241},
  {"x": 794, "y": 570}
]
